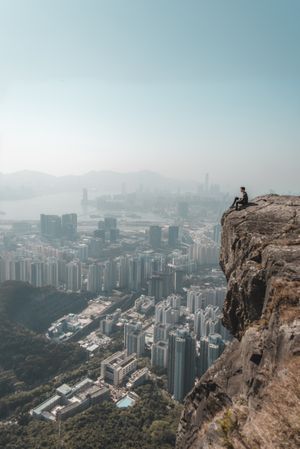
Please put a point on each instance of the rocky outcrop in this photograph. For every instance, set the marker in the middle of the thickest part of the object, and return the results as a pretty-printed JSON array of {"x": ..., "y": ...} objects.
[{"x": 250, "y": 398}]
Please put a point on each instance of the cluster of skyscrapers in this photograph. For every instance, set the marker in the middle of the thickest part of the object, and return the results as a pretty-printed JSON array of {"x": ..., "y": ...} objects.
[
  {"x": 104, "y": 260},
  {"x": 155, "y": 236},
  {"x": 56, "y": 227},
  {"x": 187, "y": 340}
]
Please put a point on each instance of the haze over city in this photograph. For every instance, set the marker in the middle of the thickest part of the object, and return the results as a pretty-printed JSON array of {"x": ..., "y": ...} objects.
[
  {"x": 173, "y": 87},
  {"x": 149, "y": 224}
]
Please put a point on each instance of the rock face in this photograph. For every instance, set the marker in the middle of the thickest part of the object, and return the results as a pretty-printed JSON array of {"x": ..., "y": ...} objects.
[{"x": 250, "y": 398}]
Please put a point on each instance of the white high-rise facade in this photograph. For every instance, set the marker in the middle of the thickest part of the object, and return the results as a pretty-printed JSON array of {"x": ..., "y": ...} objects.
[{"x": 73, "y": 280}]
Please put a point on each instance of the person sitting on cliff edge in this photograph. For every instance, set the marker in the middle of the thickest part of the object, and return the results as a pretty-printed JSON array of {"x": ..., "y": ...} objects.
[{"x": 242, "y": 201}]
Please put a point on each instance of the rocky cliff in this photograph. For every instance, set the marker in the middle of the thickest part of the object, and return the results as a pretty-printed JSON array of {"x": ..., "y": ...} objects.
[{"x": 250, "y": 398}]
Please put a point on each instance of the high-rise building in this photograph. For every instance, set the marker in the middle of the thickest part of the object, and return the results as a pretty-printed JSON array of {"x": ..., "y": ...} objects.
[
  {"x": 108, "y": 324},
  {"x": 73, "y": 276},
  {"x": 203, "y": 356},
  {"x": 95, "y": 247},
  {"x": 135, "y": 342},
  {"x": 110, "y": 223},
  {"x": 50, "y": 226},
  {"x": 123, "y": 272},
  {"x": 37, "y": 274},
  {"x": 134, "y": 273},
  {"x": 159, "y": 354},
  {"x": 199, "y": 298},
  {"x": 2, "y": 270},
  {"x": 194, "y": 299},
  {"x": 178, "y": 280},
  {"x": 130, "y": 327},
  {"x": 160, "y": 285},
  {"x": 25, "y": 269},
  {"x": 171, "y": 359},
  {"x": 174, "y": 301},
  {"x": 173, "y": 236},
  {"x": 69, "y": 226},
  {"x": 161, "y": 332},
  {"x": 95, "y": 278},
  {"x": 134, "y": 338},
  {"x": 147, "y": 266},
  {"x": 205, "y": 252},
  {"x": 156, "y": 287},
  {"x": 51, "y": 269},
  {"x": 181, "y": 363},
  {"x": 168, "y": 311},
  {"x": 62, "y": 271},
  {"x": 211, "y": 347},
  {"x": 207, "y": 321},
  {"x": 83, "y": 252},
  {"x": 100, "y": 234},
  {"x": 114, "y": 235},
  {"x": 170, "y": 316},
  {"x": 157, "y": 264},
  {"x": 179, "y": 369},
  {"x": 155, "y": 236},
  {"x": 109, "y": 276}
]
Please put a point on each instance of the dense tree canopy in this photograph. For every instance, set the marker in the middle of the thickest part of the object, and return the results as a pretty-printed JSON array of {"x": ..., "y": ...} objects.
[
  {"x": 27, "y": 358},
  {"x": 150, "y": 424}
]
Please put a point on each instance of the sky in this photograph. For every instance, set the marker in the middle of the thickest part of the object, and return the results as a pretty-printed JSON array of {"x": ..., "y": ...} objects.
[{"x": 177, "y": 87}]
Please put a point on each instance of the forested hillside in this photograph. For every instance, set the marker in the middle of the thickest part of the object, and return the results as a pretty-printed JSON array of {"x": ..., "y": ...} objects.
[
  {"x": 27, "y": 358},
  {"x": 36, "y": 308},
  {"x": 150, "y": 424}
]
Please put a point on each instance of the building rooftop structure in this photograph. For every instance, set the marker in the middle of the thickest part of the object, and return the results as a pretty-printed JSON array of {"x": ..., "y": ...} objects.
[
  {"x": 71, "y": 400},
  {"x": 46, "y": 405},
  {"x": 68, "y": 325},
  {"x": 138, "y": 378},
  {"x": 118, "y": 366},
  {"x": 64, "y": 390}
]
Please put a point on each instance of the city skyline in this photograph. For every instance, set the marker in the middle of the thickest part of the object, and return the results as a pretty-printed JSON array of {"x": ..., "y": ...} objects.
[{"x": 184, "y": 184}]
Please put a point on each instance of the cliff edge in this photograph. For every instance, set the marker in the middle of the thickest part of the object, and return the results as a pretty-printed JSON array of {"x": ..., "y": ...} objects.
[{"x": 250, "y": 398}]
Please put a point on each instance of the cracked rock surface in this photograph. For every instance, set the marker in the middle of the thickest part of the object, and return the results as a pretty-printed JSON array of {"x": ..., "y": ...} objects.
[{"x": 250, "y": 398}]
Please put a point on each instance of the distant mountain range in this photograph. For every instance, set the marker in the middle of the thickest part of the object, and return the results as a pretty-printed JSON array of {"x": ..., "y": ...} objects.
[{"x": 26, "y": 184}]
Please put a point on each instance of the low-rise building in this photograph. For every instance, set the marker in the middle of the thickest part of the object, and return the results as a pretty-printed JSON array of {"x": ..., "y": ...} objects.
[
  {"x": 145, "y": 304},
  {"x": 138, "y": 378},
  {"x": 118, "y": 366},
  {"x": 68, "y": 401}
]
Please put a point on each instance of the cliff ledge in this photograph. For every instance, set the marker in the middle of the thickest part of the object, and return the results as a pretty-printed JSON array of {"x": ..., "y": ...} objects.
[{"x": 250, "y": 398}]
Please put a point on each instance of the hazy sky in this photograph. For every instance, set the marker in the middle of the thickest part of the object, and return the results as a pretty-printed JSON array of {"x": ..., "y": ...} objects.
[{"x": 178, "y": 87}]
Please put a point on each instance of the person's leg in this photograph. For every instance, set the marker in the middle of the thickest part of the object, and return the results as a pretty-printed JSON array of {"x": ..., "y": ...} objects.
[
  {"x": 238, "y": 203},
  {"x": 234, "y": 202}
]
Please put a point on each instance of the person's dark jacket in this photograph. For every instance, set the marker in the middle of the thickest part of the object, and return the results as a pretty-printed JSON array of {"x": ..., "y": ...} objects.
[{"x": 245, "y": 198}]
